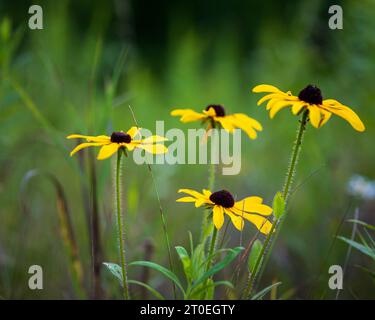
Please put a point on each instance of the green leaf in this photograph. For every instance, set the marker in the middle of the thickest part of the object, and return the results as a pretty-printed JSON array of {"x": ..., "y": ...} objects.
[
  {"x": 262, "y": 293},
  {"x": 115, "y": 269},
  {"x": 166, "y": 272},
  {"x": 191, "y": 243},
  {"x": 214, "y": 254},
  {"x": 186, "y": 262},
  {"x": 207, "y": 231},
  {"x": 210, "y": 290},
  {"x": 365, "y": 250},
  {"x": 371, "y": 239},
  {"x": 254, "y": 254},
  {"x": 232, "y": 254},
  {"x": 278, "y": 205},
  {"x": 198, "y": 268},
  {"x": 211, "y": 284},
  {"x": 149, "y": 288},
  {"x": 362, "y": 223}
]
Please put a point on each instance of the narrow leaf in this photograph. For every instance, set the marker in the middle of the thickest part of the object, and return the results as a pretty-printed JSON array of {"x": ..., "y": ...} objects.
[
  {"x": 166, "y": 272},
  {"x": 115, "y": 269},
  {"x": 262, "y": 293},
  {"x": 365, "y": 250},
  {"x": 278, "y": 205},
  {"x": 212, "y": 284},
  {"x": 362, "y": 223},
  {"x": 254, "y": 254},
  {"x": 149, "y": 288},
  {"x": 186, "y": 262},
  {"x": 232, "y": 254}
]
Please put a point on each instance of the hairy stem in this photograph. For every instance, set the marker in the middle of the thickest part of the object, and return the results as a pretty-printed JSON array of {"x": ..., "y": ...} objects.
[
  {"x": 295, "y": 155},
  {"x": 212, "y": 248},
  {"x": 211, "y": 184},
  {"x": 253, "y": 275},
  {"x": 277, "y": 224},
  {"x": 120, "y": 228}
]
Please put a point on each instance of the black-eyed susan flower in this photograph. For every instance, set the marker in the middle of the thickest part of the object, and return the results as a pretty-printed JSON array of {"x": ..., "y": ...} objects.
[
  {"x": 215, "y": 114},
  {"x": 222, "y": 202},
  {"x": 309, "y": 98},
  {"x": 128, "y": 141}
]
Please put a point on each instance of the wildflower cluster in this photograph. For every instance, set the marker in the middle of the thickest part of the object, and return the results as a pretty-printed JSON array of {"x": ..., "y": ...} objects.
[{"x": 220, "y": 204}]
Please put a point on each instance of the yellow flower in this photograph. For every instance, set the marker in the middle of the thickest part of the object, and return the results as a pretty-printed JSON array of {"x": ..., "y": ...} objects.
[
  {"x": 215, "y": 114},
  {"x": 250, "y": 208},
  {"x": 109, "y": 145},
  {"x": 309, "y": 98}
]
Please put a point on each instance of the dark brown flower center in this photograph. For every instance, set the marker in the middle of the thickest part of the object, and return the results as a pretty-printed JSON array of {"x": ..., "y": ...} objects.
[
  {"x": 311, "y": 94},
  {"x": 219, "y": 109},
  {"x": 222, "y": 198},
  {"x": 119, "y": 137}
]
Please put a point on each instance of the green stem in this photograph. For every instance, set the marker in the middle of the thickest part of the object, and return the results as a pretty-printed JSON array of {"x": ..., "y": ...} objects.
[
  {"x": 212, "y": 248},
  {"x": 206, "y": 214},
  {"x": 211, "y": 184},
  {"x": 295, "y": 155},
  {"x": 210, "y": 254},
  {"x": 120, "y": 228},
  {"x": 253, "y": 275},
  {"x": 277, "y": 224}
]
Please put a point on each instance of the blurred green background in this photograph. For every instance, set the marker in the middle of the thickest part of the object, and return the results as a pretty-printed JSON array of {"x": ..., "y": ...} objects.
[{"x": 94, "y": 58}]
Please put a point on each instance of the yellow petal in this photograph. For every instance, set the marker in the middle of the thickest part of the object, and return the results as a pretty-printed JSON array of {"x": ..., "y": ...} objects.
[
  {"x": 236, "y": 220},
  {"x": 265, "y": 88},
  {"x": 278, "y": 106},
  {"x": 262, "y": 224},
  {"x": 188, "y": 115},
  {"x": 193, "y": 193},
  {"x": 246, "y": 128},
  {"x": 248, "y": 121},
  {"x": 133, "y": 131},
  {"x": 267, "y": 97},
  {"x": 186, "y": 199},
  {"x": 254, "y": 199},
  {"x": 199, "y": 202},
  {"x": 326, "y": 115},
  {"x": 218, "y": 216},
  {"x": 252, "y": 204},
  {"x": 107, "y": 150},
  {"x": 207, "y": 193},
  {"x": 154, "y": 139},
  {"x": 210, "y": 112},
  {"x": 153, "y": 148},
  {"x": 181, "y": 112},
  {"x": 314, "y": 115},
  {"x": 344, "y": 112},
  {"x": 270, "y": 103},
  {"x": 226, "y": 123},
  {"x": 101, "y": 138},
  {"x": 85, "y": 145},
  {"x": 130, "y": 146},
  {"x": 297, "y": 106}
]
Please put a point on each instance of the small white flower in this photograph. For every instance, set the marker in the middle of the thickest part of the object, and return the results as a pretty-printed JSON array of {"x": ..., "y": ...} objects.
[{"x": 362, "y": 187}]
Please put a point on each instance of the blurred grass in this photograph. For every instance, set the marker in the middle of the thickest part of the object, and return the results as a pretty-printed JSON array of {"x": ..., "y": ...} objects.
[{"x": 64, "y": 80}]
